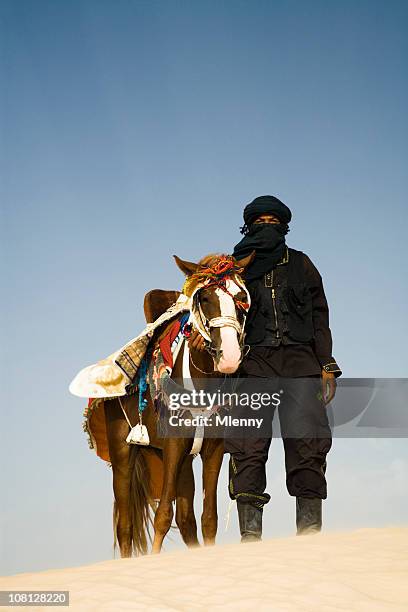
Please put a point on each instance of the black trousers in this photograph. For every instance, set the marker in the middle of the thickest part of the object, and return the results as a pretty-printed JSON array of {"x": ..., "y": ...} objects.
[{"x": 306, "y": 436}]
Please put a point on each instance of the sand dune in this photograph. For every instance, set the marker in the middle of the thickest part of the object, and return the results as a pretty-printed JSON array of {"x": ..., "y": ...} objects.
[{"x": 361, "y": 570}]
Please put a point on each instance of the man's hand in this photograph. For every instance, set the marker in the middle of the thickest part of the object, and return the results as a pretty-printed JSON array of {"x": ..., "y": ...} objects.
[
  {"x": 329, "y": 385},
  {"x": 196, "y": 341}
]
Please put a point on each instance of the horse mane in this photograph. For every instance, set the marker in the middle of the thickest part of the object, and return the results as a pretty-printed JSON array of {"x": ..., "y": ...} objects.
[
  {"x": 214, "y": 265},
  {"x": 208, "y": 261}
]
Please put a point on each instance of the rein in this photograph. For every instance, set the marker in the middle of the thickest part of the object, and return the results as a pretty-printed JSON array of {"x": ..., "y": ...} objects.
[{"x": 197, "y": 368}]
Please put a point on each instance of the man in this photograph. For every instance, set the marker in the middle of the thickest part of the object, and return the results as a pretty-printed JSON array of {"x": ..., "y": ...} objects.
[{"x": 289, "y": 337}]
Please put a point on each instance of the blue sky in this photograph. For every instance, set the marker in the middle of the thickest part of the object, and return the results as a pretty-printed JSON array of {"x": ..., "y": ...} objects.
[{"x": 132, "y": 130}]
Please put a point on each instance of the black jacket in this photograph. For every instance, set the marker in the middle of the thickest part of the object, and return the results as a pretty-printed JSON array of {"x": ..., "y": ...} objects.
[{"x": 288, "y": 306}]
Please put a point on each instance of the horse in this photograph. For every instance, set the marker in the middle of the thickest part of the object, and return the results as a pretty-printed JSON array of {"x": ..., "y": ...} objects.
[{"x": 147, "y": 479}]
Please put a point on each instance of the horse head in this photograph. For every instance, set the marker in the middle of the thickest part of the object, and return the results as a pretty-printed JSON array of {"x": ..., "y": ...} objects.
[{"x": 219, "y": 305}]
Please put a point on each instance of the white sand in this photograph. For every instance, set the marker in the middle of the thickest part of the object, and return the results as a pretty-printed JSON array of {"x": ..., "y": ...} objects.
[{"x": 362, "y": 570}]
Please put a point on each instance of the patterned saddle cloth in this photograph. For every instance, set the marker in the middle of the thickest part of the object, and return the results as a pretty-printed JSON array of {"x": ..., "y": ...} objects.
[{"x": 111, "y": 376}]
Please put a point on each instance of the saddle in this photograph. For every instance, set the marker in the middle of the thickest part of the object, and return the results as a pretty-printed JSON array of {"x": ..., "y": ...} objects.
[
  {"x": 158, "y": 301},
  {"x": 155, "y": 303}
]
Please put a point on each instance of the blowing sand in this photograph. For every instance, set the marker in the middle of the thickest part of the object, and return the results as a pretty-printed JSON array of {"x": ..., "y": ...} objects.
[{"x": 361, "y": 570}]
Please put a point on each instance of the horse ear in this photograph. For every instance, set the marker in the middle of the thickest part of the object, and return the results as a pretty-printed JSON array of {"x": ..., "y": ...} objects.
[
  {"x": 187, "y": 267},
  {"x": 244, "y": 263}
]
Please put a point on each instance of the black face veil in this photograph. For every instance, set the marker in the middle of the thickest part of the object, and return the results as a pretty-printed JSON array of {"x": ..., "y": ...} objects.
[{"x": 266, "y": 239}]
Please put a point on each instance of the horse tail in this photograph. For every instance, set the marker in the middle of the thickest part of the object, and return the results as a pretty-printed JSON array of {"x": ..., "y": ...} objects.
[
  {"x": 146, "y": 473},
  {"x": 141, "y": 502},
  {"x": 115, "y": 525}
]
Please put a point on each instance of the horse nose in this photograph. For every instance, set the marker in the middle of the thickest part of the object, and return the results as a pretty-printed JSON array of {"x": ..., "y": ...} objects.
[
  {"x": 228, "y": 363},
  {"x": 227, "y": 367},
  {"x": 230, "y": 351}
]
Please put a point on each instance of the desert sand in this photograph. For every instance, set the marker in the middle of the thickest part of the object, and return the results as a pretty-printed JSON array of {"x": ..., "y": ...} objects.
[{"x": 361, "y": 570}]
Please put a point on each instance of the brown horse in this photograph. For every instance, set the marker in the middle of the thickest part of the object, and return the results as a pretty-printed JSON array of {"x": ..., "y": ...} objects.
[{"x": 142, "y": 475}]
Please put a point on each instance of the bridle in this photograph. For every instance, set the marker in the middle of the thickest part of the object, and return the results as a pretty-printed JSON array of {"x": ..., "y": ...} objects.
[{"x": 204, "y": 325}]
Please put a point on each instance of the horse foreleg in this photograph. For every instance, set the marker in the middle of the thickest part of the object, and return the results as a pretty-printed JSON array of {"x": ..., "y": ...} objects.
[
  {"x": 174, "y": 452},
  {"x": 212, "y": 455},
  {"x": 185, "y": 518}
]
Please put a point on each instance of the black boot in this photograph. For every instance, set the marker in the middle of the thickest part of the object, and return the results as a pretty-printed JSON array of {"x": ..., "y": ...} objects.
[
  {"x": 250, "y": 522},
  {"x": 308, "y": 515}
]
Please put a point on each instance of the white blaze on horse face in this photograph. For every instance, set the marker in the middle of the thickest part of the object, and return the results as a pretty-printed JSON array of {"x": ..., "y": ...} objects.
[{"x": 231, "y": 352}]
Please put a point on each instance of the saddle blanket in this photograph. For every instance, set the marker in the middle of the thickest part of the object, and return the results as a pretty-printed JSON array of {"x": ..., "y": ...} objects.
[{"x": 109, "y": 377}]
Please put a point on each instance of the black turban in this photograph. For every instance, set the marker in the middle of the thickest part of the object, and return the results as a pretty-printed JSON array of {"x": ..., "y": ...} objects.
[{"x": 267, "y": 205}]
